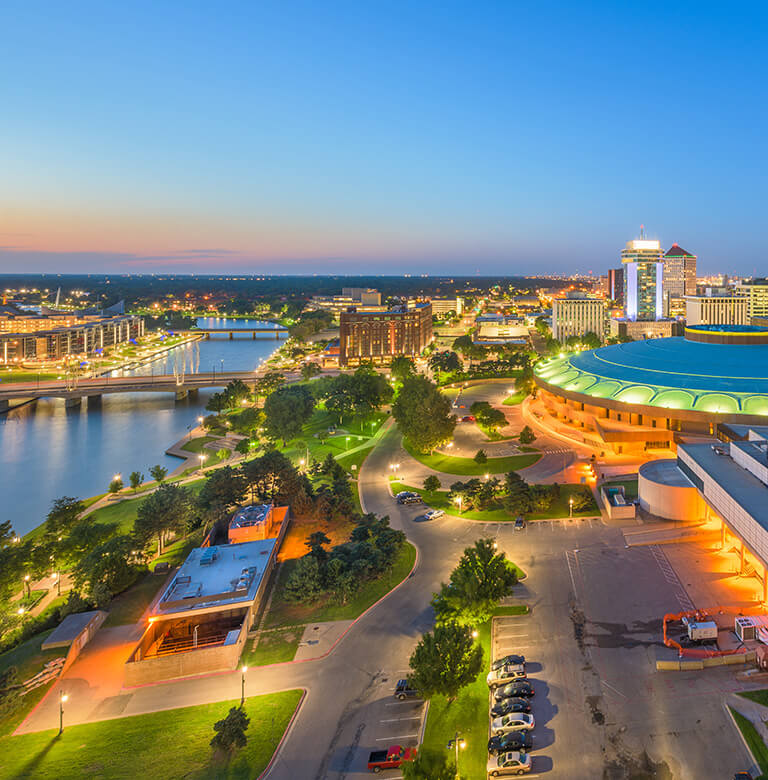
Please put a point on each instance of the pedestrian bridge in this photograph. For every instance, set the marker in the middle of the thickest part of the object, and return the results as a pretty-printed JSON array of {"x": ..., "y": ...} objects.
[
  {"x": 74, "y": 390},
  {"x": 275, "y": 332}
]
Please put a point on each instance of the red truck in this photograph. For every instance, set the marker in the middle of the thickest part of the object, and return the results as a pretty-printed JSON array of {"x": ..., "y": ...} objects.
[{"x": 391, "y": 758}]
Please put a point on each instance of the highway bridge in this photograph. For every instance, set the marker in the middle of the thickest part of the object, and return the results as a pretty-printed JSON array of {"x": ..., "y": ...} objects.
[{"x": 74, "y": 390}]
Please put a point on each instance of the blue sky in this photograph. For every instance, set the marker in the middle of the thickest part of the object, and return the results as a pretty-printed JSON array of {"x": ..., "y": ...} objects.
[{"x": 392, "y": 137}]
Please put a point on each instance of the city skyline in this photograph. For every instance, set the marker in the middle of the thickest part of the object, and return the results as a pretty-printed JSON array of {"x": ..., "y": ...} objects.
[{"x": 482, "y": 140}]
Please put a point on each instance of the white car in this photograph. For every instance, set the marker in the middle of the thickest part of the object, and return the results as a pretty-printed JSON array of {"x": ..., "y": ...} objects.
[
  {"x": 515, "y": 721},
  {"x": 507, "y": 674},
  {"x": 510, "y": 763},
  {"x": 433, "y": 514}
]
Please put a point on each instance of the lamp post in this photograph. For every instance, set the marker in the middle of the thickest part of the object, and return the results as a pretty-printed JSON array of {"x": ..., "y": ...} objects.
[
  {"x": 456, "y": 743},
  {"x": 26, "y": 585},
  {"x": 570, "y": 507},
  {"x": 458, "y": 502},
  {"x": 347, "y": 445},
  {"x": 57, "y": 577},
  {"x": 202, "y": 460},
  {"x": 62, "y": 699},
  {"x": 242, "y": 690}
]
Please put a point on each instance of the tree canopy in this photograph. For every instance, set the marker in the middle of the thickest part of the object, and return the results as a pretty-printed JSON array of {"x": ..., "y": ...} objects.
[
  {"x": 286, "y": 410},
  {"x": 423, "y": 414}
]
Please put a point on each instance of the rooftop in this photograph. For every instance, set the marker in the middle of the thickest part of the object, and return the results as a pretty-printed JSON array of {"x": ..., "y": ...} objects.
[
  {"x": 673, "y": 373},
  {"x": 70, "y": 629},
  {"x": 221, "y": 575},
  {"x": 677, "y": 251},
  {"x": 664, "y": 472},
  {"x": 742, "y": 487}
]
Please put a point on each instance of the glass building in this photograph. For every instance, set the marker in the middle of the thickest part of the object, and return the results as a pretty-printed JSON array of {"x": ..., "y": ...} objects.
[{"x": 643, "y": 264}]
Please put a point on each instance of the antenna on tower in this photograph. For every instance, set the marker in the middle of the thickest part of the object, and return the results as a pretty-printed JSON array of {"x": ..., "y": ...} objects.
[{"x": 642, "y": 231}]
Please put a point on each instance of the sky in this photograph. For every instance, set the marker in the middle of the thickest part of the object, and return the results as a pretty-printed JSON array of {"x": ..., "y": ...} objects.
[{"x": 379, "y": 137}]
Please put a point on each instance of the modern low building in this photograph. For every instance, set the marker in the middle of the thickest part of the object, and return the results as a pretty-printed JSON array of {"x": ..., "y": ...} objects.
[
  {"x": 621, "y": 327},
  {"x": 576, "y": 315},
  {"x": 201, "y": 621},
  {"x": 363, "y": 298},
  {"x": 634, "y": 396},
  {"x": 490, "y": 328},
  {"x": 729, "y": 483},
  {"x": 756, "y": 293},
  {"x": 377, "y": 337},
  {"x": 448, "y": 305},
  {"x": 716, "y": 307}
]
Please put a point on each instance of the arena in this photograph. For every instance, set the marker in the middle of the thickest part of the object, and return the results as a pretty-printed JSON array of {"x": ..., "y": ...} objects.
[{"x": 635, "y": 396}]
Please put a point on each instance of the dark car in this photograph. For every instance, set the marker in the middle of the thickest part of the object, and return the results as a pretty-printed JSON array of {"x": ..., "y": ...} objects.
[
  {"x": 515, "y": 740},
  {"x": 404, "y": 691},
  {"x": 407, "y": 497},
  {"x": 520, "y": 688},
  {"x": 519, "y": 523},
  {"x": 507, "y": 660},
  {"x": 513, "y": 704}
]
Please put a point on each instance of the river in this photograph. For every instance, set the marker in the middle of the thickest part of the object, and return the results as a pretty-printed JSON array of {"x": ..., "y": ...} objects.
[{"x": 47, "y": 451}]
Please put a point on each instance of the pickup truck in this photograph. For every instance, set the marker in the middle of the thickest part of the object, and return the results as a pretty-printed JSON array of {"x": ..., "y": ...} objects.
[
  {"x": 404, "y": 691},
  {"x": 391, "y": 758}
]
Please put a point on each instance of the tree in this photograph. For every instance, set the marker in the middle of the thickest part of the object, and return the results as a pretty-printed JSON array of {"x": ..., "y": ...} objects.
[
  {"x": 222, "y": 453},
  {"x": 432, "y": 483},
  {"x": 423, "y": 414},
  {"x": 223, "y": 487},
  {"x": 230, "y": 731},
  {"x": 444, "y": 661},
  {"x": 310, "y": 369},
  {"x": 402, "y": 367},
  {"x": 525, "y": 383},
  {"x": 235, "y": 393},
  {"x": 481, "y": 578},
  {"x": 168, "y": 509},
  {"x": 487, "y": 416},
  {"x": 63, "y": 516},
  {"x": 270, "y": 382},
  {"x": 216, "y": 403},
  {"x": 304, "y": 585},
  {"x": 591, "y": 340},
  {"x": 286, "y": 410},
  {"x": 272, "y": 477},
  {"x": 429, "y": 764},
  {"x": 115, "y": 486},
  {"x": 518, "y": 499},
  {"x": 463, "y": 344},
  {"x": 243, "y": 447},
  {"x": 480, "y": 457},
  {"x": 446, "y": 362},
  {"x": 135, "y": 478},
  {"x": 527, "y": 436},
  {"x": 109, "y": 569},
  {"x": 158, "y": 473}
]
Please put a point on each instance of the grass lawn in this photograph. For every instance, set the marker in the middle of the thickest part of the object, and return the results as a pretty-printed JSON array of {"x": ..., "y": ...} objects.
[
  {"x": 438, "y": 499},
  {"x": 129, "y": 606},
  {"x": 170, "y": 744},
  {"x": 467, "y": 466},
  {"x": 26, "y": 376},
  {"x": 468, "y": 714},
  {"x": 283, "y": 613},
  {"x": 121, "y": 512},
  {"x": 197, "y": 444},
  {"x": 761, "y": 697},
  {"x": 514, "y": 399},
  {"x": 629, "y": 485},
  {"x": 752, "y": 738},
  {"x": 28, "y": 659},
  {"x": 34, "y": 598},
  {"x": 561, "y": 508},
  {"x": 274, "y": 647}
]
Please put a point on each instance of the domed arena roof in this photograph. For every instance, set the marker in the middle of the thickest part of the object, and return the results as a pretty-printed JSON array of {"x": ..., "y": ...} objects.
[{"x": 672, "y": 373}]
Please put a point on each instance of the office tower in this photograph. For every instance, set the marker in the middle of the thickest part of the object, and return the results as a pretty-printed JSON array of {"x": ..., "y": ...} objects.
[
  {"x": 643, "y": 266},
  {"x": 756, "y": 293},
  {"x": 615, "y": 291}
]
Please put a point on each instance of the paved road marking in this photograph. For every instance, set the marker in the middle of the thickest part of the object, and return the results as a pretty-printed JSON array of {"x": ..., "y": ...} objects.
[
  {"x": 404, "y": 736},
  {"x": 568, "y": 555},
  {"x": 396, "y": 720},
  {"x": 670, "y": 575},
  {"x": 615, "y": 690}
]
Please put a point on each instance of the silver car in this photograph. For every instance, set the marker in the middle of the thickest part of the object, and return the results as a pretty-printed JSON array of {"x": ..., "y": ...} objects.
[
  {"x": 510, "y": 763},
  {"x": 515, "y": 721}
]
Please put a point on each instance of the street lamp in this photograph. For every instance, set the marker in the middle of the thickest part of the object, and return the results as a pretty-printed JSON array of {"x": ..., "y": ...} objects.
[
  {"x": 26, "y": 585},
  {"x": 202, "y": 460},
  {"x": 458, "y": 502},
  {"x": 200, "y": 420},
  {"x": 347, "y": 447},
  {"x": 486, "y": 477},
  {"x": 456, "y": 743},
  {"x": 242, "y": 693},
  {"x": 570, "y": 507},
  {"x": 57, "y": 577},
  {"x": 62, "y": 699}
]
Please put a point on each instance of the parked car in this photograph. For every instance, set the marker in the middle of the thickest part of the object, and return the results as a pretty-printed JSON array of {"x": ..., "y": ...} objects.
[
  {"x": 505, "y": 706},
  {"x": 408, "y": 497},
  {"x": 513, "y": 658},
  {"x": 391, "y": 758},
  {"x": 519, "y": 523},
  {"x": 468, "y": 418},
  {"x": 403, "y": 690},
  {"x": 520, "y": 688},
  {"x": 506, "y": 674},
  {"x": 433, "y": 514},
  {"x": 515, "y": 740},
  {"x": 516, "y": 721},
  {"x": 512, "y": 763}
]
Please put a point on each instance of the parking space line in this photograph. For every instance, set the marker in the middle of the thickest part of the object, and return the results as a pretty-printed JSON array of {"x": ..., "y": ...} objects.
[
  {"x": 397, "y": 720},
  {"x": 403, "y": 736}
]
